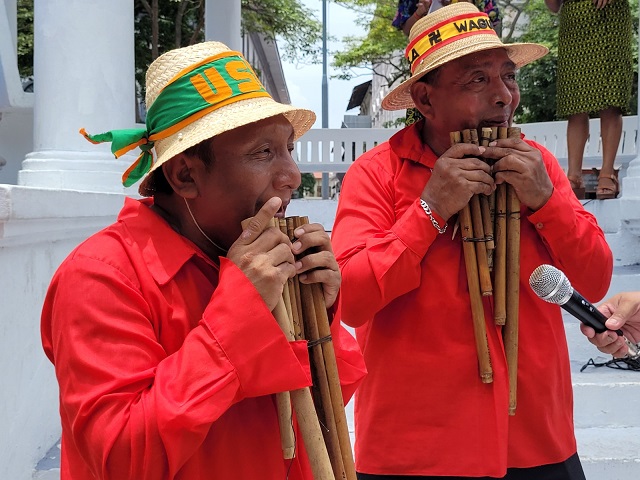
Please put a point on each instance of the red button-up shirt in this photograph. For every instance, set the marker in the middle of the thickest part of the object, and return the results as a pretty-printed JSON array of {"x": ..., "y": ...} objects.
[
  {"x": 422, "y": 410},
  {"x": 167, "y": 363}
]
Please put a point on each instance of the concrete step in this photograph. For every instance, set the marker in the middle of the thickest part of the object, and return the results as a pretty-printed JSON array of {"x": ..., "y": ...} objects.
[
  {"x": 605, "y": 397},
  {"x": 609, "y": 453}
]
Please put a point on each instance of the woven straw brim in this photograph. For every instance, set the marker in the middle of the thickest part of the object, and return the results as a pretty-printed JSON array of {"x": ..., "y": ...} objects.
[
  {"x": 227, "y": 117},
  {"x": 231, "y": 116},
  {"x": 520, "y": 53}
]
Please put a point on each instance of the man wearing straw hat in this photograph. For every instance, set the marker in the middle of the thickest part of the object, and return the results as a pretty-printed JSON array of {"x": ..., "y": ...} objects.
[
  {"x": 160, "y": 326},
  {"x": 423, "y": 411}
]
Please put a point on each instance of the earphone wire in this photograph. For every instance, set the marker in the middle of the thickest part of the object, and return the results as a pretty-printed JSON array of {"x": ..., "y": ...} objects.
[{"x": 201, "y": 231}]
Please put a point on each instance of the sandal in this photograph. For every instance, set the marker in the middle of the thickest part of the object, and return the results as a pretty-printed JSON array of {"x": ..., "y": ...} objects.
[
  {"x": 577, "y": 185},
  {"x": 607, "y": 187}
]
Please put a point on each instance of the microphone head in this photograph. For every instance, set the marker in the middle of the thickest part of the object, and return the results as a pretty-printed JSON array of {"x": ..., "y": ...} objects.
[{"x": 551, "y": 285}]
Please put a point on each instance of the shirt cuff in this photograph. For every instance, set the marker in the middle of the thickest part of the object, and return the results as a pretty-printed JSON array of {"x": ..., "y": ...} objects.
[
  {"x": 415, "y": 229},
  {"x": 264, "y": 360}
]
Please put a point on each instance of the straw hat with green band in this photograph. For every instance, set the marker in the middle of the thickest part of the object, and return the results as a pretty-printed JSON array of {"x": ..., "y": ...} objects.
[
  {"x": 193, "y": 94},
  {"x": 449, "y": 33}
]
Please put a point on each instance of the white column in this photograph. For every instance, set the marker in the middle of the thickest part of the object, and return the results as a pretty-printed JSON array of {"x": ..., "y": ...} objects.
[
  {"x": 630, "y": 198},
  {"x": 83, "y": 77},
  {"x": 222, "y": 22}
]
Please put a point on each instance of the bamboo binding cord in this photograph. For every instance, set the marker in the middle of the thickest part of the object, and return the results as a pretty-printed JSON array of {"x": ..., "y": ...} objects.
[
  {"x": 493, "y": 224},
  {"x": 319, "y": 337},
  {"x": 510, "y": 332},
  {"x": 473, "y": 282},
  {"x": 303, "y": 403}
]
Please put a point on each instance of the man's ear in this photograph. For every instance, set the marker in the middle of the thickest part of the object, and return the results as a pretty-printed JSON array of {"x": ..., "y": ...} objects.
[
  {"x": 420, "y": 95},
  {"x": 179, "y": 173}
]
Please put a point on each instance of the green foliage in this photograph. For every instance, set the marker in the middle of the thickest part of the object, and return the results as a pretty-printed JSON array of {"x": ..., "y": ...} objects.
[
  {"x": 307, "y": 186},
  {"x": 162, "y": 25},
  {"x": 25, "y": 38},
  {"x": 289, "y": 20},
  {"x": 380, "y": 50},
  {"x": 538, "y": 80},
  {"x": 181, "y": 23}
]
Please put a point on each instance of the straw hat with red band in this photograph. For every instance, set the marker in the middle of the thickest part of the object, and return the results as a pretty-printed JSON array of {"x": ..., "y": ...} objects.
[
  {"x": 230, "y": 115},
  {"x": 448, "y": 33}
]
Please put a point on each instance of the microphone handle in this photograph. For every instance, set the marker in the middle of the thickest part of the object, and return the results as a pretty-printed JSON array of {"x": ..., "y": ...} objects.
[{"x": 584, "y": 311}]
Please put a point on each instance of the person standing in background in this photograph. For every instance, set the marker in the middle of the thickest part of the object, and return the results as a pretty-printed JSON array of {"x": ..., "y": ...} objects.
[{"x": 595, "y": 75}]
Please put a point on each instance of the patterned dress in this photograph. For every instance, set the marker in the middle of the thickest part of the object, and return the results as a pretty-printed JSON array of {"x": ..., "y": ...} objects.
[{"x": 595, "y": 63}]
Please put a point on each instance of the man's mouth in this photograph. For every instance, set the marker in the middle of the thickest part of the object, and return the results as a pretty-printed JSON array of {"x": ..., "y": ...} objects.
[{"x": 280, "y": 213}]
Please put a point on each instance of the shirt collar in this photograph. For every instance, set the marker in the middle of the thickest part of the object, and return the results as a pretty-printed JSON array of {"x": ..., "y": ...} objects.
[
  {"x": 407, "y": 144},
  {"x": 163, "y": 249}
]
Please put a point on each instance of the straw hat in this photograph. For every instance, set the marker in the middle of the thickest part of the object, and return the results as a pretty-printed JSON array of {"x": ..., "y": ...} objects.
[
  {"x": 228, "y": 117},
  {"x": 448, "y": 33}
]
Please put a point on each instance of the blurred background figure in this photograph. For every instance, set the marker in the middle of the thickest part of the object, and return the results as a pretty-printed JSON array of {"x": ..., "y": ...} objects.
[{"x": 595, "y": 75}]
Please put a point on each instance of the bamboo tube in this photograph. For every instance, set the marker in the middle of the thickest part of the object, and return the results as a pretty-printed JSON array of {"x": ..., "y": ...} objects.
[
  {"x": 303, "y": 405},
  {"x": 513, "y": 287},
  {"x": 298, "y": 324},
  {"x": 485, "y": 204},
  {"x": 481, "y": 249},
  {"x": 477, "y": 309},
  {"x": 471, "y": 136},
  {"x": 321, "y": 388},
  {"x": 331, "y": 368},
  {"x": 500, "y": 254}
]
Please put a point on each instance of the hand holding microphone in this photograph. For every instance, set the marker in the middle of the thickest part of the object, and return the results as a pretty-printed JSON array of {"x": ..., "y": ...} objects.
[
  {"x": 552, "y": 286},
  {"x": 623, "y": 312}
]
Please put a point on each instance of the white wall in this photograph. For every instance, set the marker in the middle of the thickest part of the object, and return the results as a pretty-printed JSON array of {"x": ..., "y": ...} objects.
[
  {"x": 16, "y": 140},
  {"x": 35, "y": 236}
]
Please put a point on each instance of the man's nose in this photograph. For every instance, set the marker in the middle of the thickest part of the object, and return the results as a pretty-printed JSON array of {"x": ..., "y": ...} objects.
[
  {"x": 502, "y": 92},
  {"x": 289, "y": 173}
]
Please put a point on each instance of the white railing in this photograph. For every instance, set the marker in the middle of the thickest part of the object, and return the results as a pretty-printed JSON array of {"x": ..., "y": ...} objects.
[{"x": 334, "y": 150}]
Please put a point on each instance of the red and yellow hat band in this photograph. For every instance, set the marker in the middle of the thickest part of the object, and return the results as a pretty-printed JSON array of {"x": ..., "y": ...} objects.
[{"x": 445, "y": 33}]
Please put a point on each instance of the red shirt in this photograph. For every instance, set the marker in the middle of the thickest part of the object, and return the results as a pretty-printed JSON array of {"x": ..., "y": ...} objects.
[
  {"x": 422, "y": 409},
  {"x": 167, "y": 363}
]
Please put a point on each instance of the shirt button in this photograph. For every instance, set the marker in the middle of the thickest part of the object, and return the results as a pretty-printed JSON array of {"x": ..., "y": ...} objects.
[{"x": 539, "y": 225}]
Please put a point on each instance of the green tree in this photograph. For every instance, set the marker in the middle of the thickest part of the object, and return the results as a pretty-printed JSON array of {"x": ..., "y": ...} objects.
[
  {"x": 161, "y": 25},
  {"x": 538, "y": 80},
  {"x": 380, "y": 50},
  {"x": 307, "y": 186},
  {"x": 25, "y": 38}
]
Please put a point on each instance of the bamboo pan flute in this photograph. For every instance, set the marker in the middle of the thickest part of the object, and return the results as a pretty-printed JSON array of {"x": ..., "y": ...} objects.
[
  {"x": 490, "y": 228},
  {"x": 302, "y": 315}
]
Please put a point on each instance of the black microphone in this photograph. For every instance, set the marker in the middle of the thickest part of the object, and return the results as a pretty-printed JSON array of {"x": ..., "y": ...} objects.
[{"x": 553, "y": 286}]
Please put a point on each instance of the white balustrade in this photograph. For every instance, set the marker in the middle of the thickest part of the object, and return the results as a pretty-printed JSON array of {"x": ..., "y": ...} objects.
[{"x": 335, "y": 149}]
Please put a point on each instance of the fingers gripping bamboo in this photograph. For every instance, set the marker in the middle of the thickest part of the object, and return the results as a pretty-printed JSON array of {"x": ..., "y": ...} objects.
[
  {"x": 473, "y": 282},
  {"x": 303, "y": 405}
]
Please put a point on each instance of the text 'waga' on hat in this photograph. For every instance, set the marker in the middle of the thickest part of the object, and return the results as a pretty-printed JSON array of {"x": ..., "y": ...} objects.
[{"x": 449, "y": 33}]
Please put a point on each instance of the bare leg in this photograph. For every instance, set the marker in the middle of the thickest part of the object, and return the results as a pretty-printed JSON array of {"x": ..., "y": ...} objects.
[
  {"x": 611, "y": 131},
  {"x": 577, "y": 134}
]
